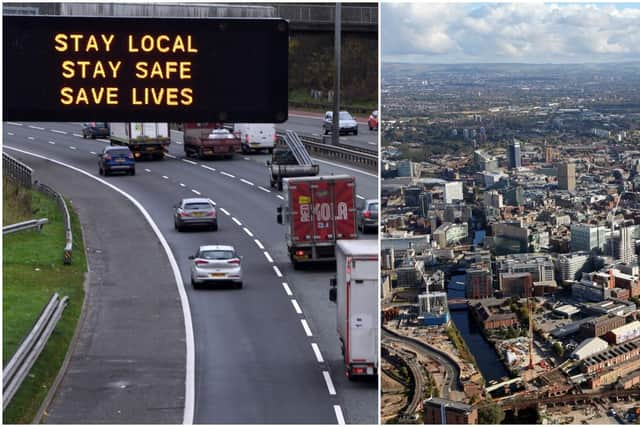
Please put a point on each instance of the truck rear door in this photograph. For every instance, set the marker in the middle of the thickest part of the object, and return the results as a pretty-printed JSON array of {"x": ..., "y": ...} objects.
[
  {"x": 362, "y": 304},
  {"x": 344, "y": 208}
]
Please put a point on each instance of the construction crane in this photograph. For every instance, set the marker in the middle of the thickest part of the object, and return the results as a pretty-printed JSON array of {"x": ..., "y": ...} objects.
[{"x": 530, "y": 307}]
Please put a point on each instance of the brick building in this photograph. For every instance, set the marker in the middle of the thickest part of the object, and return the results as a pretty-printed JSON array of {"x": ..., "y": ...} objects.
[
  {"x": 601, "y": 325},
  {"x": 445, "y": 411}
]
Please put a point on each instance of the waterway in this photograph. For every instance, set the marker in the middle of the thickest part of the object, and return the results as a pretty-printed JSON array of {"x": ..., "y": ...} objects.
[{"x": 487, "y": 358}]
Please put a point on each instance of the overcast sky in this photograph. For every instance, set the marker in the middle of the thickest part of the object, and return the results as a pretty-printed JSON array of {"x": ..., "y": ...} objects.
[{"x": 524, "y": 32}]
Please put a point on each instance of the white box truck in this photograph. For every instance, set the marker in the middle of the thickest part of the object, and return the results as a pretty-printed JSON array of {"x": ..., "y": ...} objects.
[
  {"x": 355, "y": 292},
  {"x": 143, "y": 139}
]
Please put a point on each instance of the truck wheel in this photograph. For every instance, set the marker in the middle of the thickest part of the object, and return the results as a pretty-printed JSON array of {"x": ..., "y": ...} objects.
[
  {"x": 239, "y": 285},
  {"x": 326, "y": 131},
  {"x": 295, "y": 264},
  {"x": 270, "y": 150},
  {"x": 279, "y": 184}
]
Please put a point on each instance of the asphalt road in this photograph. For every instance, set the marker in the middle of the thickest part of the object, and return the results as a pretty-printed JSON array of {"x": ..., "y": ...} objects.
[
  {"x": 311, "y": 124},
  {"x": 254, "y": 358}
]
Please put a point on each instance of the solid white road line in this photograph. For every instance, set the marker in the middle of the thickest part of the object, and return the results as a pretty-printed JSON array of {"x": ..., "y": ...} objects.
[
  {"x": 208, "y": 167},
  {"x": 264, "y": 189},
  {"x": 327, "y": 379},
  {"x": 346, "y": 167},
  {"x": 286, "y": 288},
  {"x": 189, "y": 399},
  {"x": 170, "y": 156},
  {"x": 306, "y": 327},
  {"x": 51, "y": 142},
  {"x": 246, "y": 230},
  {"x": 102, "y": 140},
  {"x": 195, "y": 191},
  {"x": 277, "y": 270},
  {"x": 182, "y": 185},
  {"x": 10, "y": 133},
  {"x": 268, "y": 257},
  {"x": 31, "y": 138},
  {"x": 36, "y": 127},
  {"x": 236, "y": 221},
  {"x": 296, "y": 307},
  {"x": 165, "y": 176},
  {"x": 280, "y": 197},
  {"x": 227, "y": 174},
  {"x": 258, "y": 243},
  {"x": 59, "y": 131},
  {"x": 339, "y": 416},
  {"x": 225, "y": 211},
  {"x": 316, "y": 351},
  {"x": 247, "y": 182},
  {"x": 147, "y": 170},
  {"x": 191, "y": 162},
  {"x": 14, "y": 123},
  {"x": 359, "y": 197}
]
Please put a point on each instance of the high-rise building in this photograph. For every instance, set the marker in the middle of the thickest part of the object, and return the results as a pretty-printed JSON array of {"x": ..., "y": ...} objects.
[
  {"x": 514, "y": 196},
  {"x": 515, "y": 160},
  {"x": 586, "y": 237},
  {"x": 478, "y": 283},
  {"x": 567, "y": 176},
  {"x": 453, "y": 191},
  {"x": 549, "y": 155},
  {"x": 572, "y": 265},
  {"x": 412, "y": 196},
  {"x": 625, "y": 248}
]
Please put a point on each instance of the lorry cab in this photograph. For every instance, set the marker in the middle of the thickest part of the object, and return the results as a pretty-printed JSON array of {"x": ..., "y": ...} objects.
[{"x": 256, "y": 136}]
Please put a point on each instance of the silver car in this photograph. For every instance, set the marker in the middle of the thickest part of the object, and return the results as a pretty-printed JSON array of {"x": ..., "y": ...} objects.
[
  {"x": 216, "y": 264},
  {"x": 347, "y": 123},
  {"x": 195, "y": 212}
]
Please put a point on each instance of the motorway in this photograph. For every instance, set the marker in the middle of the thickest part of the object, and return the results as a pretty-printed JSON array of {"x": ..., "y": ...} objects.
[
  {"x": 268, "y": 353},
  {"x": 311, "y": 124}
]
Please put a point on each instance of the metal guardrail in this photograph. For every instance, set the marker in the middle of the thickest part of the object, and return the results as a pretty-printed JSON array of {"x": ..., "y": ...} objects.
[
  {"x": 68, "y": 247},
  {"x": 316, "y": 147},
  {"x": 25, "y": 225},
  {"x": 16, "y": 170},
  {"x": 29, "y": 350}
]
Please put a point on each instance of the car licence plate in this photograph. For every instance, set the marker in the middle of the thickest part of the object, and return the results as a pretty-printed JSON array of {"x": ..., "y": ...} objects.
[
  {"x": 197, "y": 213},
  {"x": 119, "y": 160},
  {"x": 216, "y": 275}
]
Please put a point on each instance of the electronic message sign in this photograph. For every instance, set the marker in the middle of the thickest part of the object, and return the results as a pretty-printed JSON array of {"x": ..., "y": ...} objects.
[{"x": 145, "y": 69}]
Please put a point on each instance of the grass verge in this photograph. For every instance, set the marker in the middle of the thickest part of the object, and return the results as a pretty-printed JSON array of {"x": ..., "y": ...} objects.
[
  {"x": 32, "y": 271},
  {"x": 359, "y": 108}
]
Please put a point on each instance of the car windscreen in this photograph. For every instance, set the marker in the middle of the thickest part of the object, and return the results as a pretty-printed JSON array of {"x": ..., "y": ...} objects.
[
  {"x": 100, "y": 125},
  {"x": 118, "y": 151},
  {"x": 197, "y": 206},
  {"x": 373, "y": 207},
  {"x": 345, "y": 116},
  {"x": 216, "y": 254}
]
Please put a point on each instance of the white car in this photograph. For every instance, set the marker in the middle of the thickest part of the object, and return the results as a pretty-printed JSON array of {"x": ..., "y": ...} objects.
[
  {"x": 215, "y": 264},
  {"x": 347, "y": 123}
]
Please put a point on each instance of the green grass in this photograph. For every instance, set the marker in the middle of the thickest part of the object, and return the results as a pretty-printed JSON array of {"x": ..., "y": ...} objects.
[
  {"x": 359, "y": 108},
  {"x": 32, "y": 271}
]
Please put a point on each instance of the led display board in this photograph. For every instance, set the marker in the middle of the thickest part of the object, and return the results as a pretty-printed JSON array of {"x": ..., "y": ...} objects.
[{"x": 60, "y": 68}]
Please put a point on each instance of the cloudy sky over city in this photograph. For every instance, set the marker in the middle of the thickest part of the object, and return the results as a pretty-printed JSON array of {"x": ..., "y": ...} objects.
[{"x": 523, "y": 32}]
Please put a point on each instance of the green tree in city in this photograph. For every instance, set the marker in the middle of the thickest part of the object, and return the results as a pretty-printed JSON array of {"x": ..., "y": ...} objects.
[
  {"x": 490, "y": 413},
  {"x": 558, "y": 349}
]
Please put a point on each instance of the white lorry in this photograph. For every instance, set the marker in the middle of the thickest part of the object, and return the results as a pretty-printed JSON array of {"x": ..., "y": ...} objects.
[
  {"x": 355, "y": 291},
  {"x": 143, "y": 139},
  {"x": 256, "y": 136}
]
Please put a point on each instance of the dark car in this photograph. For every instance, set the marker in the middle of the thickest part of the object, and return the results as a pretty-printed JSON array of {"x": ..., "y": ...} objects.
[
  {"x": 116, "y": 159},
  {"x": 195, "y": 212},
  {"x": 95, "y": 130},
  {"x": 346, "y": 122},
  {"x": 367, "y": 215}
]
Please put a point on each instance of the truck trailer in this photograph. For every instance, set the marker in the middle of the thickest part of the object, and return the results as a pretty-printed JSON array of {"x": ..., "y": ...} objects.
[
  {"x": 318, "y": 211},
  {"x": 143, "y": 139},
  {"x": 209, "y": 140},
  {"x": 355, "y": 292}
]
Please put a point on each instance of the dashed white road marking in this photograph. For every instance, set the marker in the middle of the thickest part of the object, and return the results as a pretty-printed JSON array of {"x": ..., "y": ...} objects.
[
  {"x": 147, "y": 170},
  {"x": 92, "y": 152},
  {"x": 195, "y": 191},
  {"x": 179, "y": 143},
  {"x": 277, "y": 270},
  {"x": 169, "y": 155},
  {"x": 182, "y": 185},
  {"x": 359, "y": 197},
  {"x": 280, "y": 197},
  {"x": 286, "y": 288},
  {"x": 258, "y": 243},
  {"x": 102, "y": 140},
  {"x": 14, "y": 123},
  {"x": 189, "y": 161},
  {"x": 31, "y": 138},
  {"x": 316, "y": 351},
  {"x": 59, "y": 131},
  {"x": 77, "y": 134},
  {"x": 72, "y": 147},
  {"x": 327, "y": 379},
  {"x": 225, "y": 211},
  {"x": 247, "y": 182},
  {"x": 227, "y": 174},
  {"x": 339, "y": 416},
  {"x": 268, "y": 257},
  {"x": 10, "y": 133},
  {"x": 51, "y": 142},
  {"x": 208, "y": 167},
  {"x": 246, "y": 158},
  {"x": 372, "y": 143},
  {"x": 36, "y": 127},
  {"x": 264, "y": 189},
  {"x": 246, "y": 230},
  {"x": 305, "y": 325},
  {"x": 236, "y": 221},
  {"x": 165, "y": 177},
  {"x": 296, "y": 306}
]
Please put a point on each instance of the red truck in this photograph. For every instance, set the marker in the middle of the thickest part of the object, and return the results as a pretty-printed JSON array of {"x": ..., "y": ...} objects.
[
  {"x": 209, "y": 140},
  {"x": 319, "y": 210}
]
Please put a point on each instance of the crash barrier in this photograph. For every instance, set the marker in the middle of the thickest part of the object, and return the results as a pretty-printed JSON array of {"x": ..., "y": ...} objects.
[
  {"x": 16, "y": 170},
  {"x": 29, "y": 350},
  {"x": 50, "y": 192},
  {"x": 25, "y": 225}
]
